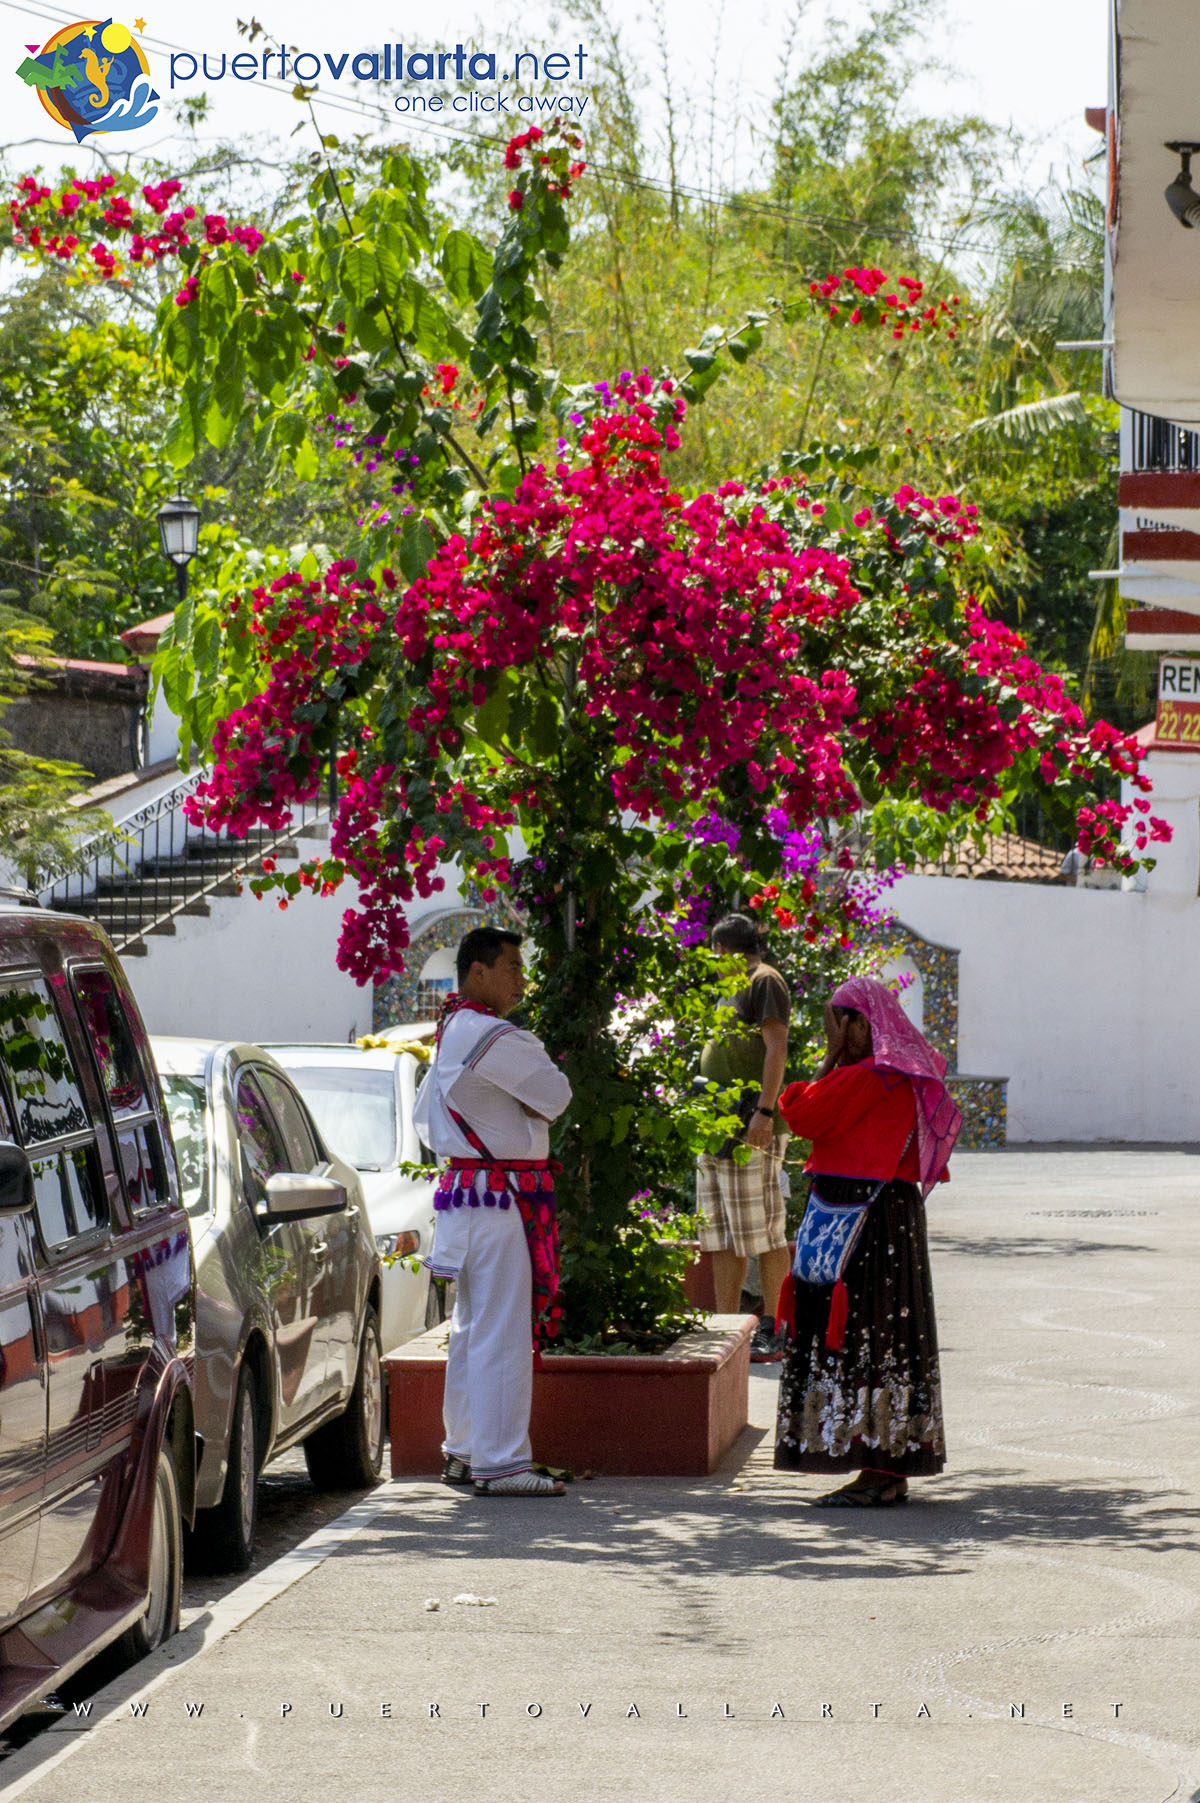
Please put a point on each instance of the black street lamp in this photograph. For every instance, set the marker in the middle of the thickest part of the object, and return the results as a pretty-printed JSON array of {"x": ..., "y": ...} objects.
[{"x": 179, "y": 534}]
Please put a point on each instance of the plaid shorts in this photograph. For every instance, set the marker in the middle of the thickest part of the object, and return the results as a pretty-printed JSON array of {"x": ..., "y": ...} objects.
[{"x": 741, "y": 1204}]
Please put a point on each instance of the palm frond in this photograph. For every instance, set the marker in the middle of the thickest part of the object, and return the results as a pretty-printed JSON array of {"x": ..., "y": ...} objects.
[{"x": 1019, "y": 428}]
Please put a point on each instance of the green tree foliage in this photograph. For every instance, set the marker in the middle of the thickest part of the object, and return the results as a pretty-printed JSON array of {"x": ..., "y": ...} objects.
[
  {"x": 855, "y": 174},
  {"x": 42, "y": 825}
]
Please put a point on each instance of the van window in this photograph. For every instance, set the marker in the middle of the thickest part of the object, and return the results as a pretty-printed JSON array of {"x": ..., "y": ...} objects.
[
  {"x": 44, "y": 1083},
  {"x": 111, "y": 1037},
  {"x": 139, "y": 1149},
  {"x": 69, "y": 1199},
  {"x": 139, "y": 1139},
  {"x": 188, "y": 1116}
]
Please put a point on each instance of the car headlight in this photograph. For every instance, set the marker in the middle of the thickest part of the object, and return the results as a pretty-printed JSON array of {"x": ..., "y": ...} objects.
[{"x": 398, "y": 1245}]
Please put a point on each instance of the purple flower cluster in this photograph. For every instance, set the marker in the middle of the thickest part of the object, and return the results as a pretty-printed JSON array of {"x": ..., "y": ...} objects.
[
  {"x": 800, "y": 853},
  {"x": 691, "y": 924},
  {"x": 713, "y": 829}
]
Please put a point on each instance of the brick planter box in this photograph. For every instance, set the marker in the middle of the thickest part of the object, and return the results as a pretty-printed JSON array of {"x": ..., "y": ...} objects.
[
  {"x": 674, "y": 1413},
  {"x": 698, "y": 1281}
]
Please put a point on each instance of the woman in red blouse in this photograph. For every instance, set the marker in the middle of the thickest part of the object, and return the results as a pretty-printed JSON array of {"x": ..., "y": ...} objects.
[{"x": 865, "y": 1395}]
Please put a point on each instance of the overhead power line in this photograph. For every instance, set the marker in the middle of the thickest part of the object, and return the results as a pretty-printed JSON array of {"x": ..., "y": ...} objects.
[{"x": 629, "y": 179}]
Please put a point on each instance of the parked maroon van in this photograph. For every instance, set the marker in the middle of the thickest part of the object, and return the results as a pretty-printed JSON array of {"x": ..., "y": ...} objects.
[{"x": 97, "y": 1445}]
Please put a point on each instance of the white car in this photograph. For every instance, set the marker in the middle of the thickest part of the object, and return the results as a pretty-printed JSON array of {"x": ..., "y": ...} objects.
[{"x": 362, "y": 1101}]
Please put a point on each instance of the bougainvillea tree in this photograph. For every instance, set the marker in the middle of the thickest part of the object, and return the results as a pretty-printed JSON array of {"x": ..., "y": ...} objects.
[{"x": 617, "y": 705}]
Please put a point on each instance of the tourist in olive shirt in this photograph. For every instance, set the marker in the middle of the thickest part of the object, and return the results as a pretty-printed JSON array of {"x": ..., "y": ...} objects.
[{"x": 742, "y": 1204}]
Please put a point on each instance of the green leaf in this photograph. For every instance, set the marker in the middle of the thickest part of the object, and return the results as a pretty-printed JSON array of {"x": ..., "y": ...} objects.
[
  {"x": 491, "y": 721},
  {"x": 465, "y": 265},
  {"x": 543, "y": 734},
  {"x": 206, "y": 645},
  {"x": 417, "y": 546},
  {"x": 183, "y": 433},
  {"x": 358, "y": 274},
  {"x": 289, "y": 430},
  {"x": 306, "y": 463},
  {"x": 218, "y": 288},
  {"x": 181, "y": 341},
  {"x": 746, "y": 342},
  {"x": 371, "y": 331},
  {"x": 218, "y": 423}
]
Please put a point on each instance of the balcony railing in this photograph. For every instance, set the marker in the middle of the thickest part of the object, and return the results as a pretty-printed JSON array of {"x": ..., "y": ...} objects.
[{"x": 1158, "y": 444}]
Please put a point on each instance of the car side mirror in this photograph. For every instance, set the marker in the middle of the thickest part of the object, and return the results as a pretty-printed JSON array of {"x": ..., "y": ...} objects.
[
  {"x": 295, "y": 1195},
  {"x": 16, "y": 1180}
]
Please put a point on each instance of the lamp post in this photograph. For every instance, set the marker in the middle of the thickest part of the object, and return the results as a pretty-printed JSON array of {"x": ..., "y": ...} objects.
[{"x": 179, "y": 534}]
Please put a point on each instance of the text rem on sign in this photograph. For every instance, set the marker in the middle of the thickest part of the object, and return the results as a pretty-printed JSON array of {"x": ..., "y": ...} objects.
[{"x": 1177, "y": 721}]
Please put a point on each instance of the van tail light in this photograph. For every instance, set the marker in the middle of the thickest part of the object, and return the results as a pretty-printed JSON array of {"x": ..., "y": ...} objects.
[{"x": 398, "y": 1245}]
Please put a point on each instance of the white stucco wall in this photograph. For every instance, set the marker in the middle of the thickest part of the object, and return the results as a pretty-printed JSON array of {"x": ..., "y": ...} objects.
[
  {"x": 250, "y": 971},
  {"x": 1084, "y": 999},
  {"x": 253, "y": 971}
]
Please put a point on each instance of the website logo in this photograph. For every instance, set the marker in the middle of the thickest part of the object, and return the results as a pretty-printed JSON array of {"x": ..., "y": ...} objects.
[{"x": 92, "y": 77}]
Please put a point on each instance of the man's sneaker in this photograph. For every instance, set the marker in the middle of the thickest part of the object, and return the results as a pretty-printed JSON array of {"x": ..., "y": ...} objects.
[{"x": 769, "y": 1343}]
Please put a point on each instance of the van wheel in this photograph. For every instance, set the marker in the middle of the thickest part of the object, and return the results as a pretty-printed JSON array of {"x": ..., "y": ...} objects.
[
  {"x": 223, "y": 1537},
  {"x": 347, "y": 1453},
  {"x": 161, "y": 1619}
]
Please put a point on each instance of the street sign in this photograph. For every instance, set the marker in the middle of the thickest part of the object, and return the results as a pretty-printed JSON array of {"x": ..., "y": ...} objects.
[{"x": 1177, "y": 721}]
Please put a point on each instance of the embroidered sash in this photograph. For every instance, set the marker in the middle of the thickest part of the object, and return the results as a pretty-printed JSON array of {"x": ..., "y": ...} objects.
[{"x": 529, "y": 1182}]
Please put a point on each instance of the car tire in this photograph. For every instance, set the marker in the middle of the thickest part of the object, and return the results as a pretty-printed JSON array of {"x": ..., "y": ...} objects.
[
  {"x": 223, "y": 1537},
  {"x": 347, "y": 1453},
  {"x": 161, "y": 1619}
]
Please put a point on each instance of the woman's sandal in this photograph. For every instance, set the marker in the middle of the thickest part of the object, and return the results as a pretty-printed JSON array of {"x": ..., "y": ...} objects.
[
  {"x": 865, "y": 1496},
  {"x": 524, "y": 1483}
]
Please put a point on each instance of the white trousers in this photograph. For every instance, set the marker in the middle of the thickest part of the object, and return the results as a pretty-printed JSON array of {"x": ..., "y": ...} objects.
[{"x": 489, "y": 1367}]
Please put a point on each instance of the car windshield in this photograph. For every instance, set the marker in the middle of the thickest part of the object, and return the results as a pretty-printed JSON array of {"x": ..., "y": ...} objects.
[
  {"x": 186, "y": 1108},
  {"x": 355, "y": 1110}
]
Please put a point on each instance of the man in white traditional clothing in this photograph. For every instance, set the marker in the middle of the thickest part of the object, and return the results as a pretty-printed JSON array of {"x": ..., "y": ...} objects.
[{"x": 486, "y": 1104}]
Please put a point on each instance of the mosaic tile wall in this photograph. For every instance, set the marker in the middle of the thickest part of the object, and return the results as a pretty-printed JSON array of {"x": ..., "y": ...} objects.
[
  {"x": 984, "y": 1104},
  {"x": 983, "y": 1100},
  {"x": 938, "y": 966},
  {"x": 395, "y": 1000}
]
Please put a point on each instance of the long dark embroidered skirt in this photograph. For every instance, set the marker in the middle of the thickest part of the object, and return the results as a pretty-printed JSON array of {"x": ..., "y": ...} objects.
[{"x": 878, "y": 1401}]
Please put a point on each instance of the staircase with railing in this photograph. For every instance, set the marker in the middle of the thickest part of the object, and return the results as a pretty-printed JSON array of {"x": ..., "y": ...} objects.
[{"x": 153, "y": 867}]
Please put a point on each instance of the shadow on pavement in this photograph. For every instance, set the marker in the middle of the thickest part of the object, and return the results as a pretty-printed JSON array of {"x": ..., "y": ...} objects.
[
  {"x": 769, "y": 1525},
  {"x": 974, "y": 1246}
]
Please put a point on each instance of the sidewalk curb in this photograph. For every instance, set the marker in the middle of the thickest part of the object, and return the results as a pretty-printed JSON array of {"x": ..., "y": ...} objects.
[{"x": 207, "y": 1628}]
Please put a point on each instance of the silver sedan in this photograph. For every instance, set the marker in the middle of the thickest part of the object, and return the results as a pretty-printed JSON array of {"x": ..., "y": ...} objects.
[{"x": 288, "y": 1289}]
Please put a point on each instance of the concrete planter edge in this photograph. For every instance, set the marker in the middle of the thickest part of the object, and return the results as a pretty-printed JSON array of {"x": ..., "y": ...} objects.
[{"x": 669, "y": 1414}]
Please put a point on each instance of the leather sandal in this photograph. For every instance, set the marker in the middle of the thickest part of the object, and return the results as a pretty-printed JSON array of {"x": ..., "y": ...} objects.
[
  {"x": 865, "y": 1496},
  {"x": 522, "y": 1483}
]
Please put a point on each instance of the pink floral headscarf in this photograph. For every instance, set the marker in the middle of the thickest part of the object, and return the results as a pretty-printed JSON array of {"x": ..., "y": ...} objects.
[{"x": 896, "y": 1045}]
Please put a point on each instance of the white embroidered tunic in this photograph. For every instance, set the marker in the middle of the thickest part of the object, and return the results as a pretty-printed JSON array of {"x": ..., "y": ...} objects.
[{"x": 485, "y": 1070}]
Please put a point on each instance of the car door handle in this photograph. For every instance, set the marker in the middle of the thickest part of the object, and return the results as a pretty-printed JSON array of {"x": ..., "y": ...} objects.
[{"x": 320, "y": 1249}]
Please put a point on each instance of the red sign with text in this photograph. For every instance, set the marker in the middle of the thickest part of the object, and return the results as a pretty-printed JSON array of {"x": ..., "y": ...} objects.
[{"x": 1177, "y": 721}]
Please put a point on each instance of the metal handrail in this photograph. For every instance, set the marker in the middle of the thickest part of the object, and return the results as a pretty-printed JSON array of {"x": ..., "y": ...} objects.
[
  {"x": 154, "y": 865},
  {"x": 105, "y": 845}
]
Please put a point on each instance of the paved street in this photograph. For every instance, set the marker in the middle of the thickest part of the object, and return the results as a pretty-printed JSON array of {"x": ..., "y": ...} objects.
[{"x": 1024, "y": 1632}]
